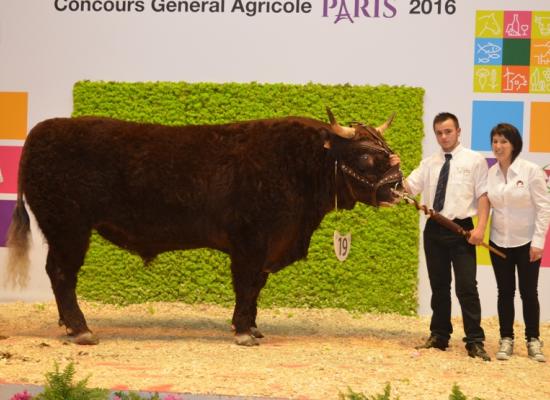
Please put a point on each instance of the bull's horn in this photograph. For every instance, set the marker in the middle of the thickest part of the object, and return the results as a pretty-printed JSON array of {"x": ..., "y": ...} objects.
[
  {"x": 331, "y": 117},
  {"x": 385, "y": 125},
  {"x": 342, "y": 131}
]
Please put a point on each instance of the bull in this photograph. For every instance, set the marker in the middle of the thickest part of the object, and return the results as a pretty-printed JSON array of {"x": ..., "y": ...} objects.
[{"x": 256, "y": 190}]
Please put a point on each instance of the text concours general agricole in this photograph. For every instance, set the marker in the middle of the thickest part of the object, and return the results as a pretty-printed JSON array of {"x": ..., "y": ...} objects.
[{"x": 248, "y": 7}]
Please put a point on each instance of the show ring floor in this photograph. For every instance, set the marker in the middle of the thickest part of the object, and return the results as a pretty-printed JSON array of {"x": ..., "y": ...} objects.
[{"x": 306, "y": 354}]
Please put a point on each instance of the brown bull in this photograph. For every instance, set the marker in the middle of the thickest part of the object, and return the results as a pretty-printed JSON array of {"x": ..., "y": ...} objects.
[{"x": 255, "y": 190}]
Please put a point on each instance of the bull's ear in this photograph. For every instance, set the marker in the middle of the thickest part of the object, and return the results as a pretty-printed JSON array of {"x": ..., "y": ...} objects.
[
  {"x": 385, "y": 125},
  {"x": 325, "y": 137}
]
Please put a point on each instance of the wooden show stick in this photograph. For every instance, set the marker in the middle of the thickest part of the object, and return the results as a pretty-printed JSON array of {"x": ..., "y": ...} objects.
[{"x": 447, "y": 223}]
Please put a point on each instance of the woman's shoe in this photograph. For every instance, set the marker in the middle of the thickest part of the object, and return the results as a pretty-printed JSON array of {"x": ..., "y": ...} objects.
[
  {"x": 534, "y": 350},
  {"x": 506, "y": 348}
]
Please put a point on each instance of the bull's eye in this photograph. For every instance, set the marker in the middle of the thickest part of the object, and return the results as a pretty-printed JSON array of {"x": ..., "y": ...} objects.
[{"x": 364, "y": 163}]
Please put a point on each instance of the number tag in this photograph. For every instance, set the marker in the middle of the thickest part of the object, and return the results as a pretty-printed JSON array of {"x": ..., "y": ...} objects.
[{"x": 342, "y": 245}]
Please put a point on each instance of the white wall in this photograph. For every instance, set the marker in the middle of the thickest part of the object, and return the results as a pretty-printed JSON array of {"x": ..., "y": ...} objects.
[{"x": 44, "y": 52}]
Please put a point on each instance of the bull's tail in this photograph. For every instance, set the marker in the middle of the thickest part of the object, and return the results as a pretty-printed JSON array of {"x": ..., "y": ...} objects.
[{"x": 18, "y": 246}]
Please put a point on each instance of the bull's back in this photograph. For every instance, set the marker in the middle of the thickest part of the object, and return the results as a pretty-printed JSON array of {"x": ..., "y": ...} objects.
[
  {"x": 102, "y": 152},
  {"x": 135, "y": 159}
]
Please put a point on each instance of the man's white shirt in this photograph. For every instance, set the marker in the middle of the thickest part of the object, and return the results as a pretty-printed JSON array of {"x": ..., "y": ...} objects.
[{"x": 467, "y": 181}]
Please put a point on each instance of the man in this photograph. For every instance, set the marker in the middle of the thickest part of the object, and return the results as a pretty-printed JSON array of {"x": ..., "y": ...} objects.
[{"x": 458, "y": 194}]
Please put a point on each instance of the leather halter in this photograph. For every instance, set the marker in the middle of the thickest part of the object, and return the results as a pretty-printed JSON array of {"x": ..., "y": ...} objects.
[{"x": 392, "y": 175}]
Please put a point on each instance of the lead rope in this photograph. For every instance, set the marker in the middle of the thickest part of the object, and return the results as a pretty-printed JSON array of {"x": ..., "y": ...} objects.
[{"x": 444, "y": 221}]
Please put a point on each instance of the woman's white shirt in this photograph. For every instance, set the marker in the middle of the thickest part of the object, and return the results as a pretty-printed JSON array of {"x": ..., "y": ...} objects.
[{"x": 520, "y": 204}]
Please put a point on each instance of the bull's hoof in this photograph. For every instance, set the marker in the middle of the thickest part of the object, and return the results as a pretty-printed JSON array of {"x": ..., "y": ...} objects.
[
  {"x": 245, "y": 339},
  {"x": 253, "y": 331},
  {"x": 256, "y": 332},
  {"x": 86, "y": 338},
  {"x": 69, "y": 332}
]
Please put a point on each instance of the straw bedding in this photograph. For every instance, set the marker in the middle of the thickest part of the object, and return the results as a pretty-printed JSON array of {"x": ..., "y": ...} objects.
[{"x": 306, "y": 354}]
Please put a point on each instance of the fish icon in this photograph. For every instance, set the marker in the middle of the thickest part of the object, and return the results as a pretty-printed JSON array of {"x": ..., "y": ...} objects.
[{"x": 489, "y": 51}]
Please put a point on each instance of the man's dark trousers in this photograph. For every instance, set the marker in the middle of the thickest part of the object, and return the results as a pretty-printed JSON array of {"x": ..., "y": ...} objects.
[{"x": 444, "y": 248}]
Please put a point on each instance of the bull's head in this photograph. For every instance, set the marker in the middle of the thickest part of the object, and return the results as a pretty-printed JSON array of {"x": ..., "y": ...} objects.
[{"x": 363, "y": 157}]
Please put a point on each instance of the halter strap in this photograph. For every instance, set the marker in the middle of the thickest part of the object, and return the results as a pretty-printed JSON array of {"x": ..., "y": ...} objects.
[{"x": 392, "y": 175}]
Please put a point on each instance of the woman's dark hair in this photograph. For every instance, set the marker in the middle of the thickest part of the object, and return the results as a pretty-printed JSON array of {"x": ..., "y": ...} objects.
[{"x": 511, "y": 133}]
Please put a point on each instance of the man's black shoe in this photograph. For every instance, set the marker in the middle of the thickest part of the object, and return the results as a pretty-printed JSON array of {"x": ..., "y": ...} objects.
[
  {"x": 434, "y": 342},
  {"x": 477, "y": 350}
]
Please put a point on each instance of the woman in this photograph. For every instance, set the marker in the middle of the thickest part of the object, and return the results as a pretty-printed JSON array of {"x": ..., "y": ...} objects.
[{"x": 521, "y": 212}]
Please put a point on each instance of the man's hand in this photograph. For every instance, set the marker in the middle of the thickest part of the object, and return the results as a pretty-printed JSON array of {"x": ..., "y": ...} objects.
[
  {"x": 394, "y": 159},
  {"x": 478, "y": 233}
]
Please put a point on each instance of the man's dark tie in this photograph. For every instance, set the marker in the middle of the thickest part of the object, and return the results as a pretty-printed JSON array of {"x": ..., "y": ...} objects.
[{"x": 439, "y": 198}]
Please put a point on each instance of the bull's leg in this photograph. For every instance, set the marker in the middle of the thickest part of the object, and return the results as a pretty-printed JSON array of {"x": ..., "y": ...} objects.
[
  {"x": 245, "y": 281},
  {"x": 62, "y": 266},
  {"x": 258, "y": 283},
  {"x": 261, "y": 280}
]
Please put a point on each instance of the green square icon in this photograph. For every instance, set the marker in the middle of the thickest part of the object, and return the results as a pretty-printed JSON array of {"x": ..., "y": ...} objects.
[
  {"x": 540, "y": 80},
  {"x": 489, "y": 23},
  {"x": 487, "y": 78},
  {"x": 540, "y": 25},
  {"x": 516, "y": 51}
]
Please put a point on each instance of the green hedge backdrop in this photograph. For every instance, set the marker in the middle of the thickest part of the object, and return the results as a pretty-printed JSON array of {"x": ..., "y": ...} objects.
[{"x": 380, "y": 274}]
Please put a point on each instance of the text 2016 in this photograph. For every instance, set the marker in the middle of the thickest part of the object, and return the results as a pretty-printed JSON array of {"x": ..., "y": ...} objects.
[{"x": 432, "y": 7}]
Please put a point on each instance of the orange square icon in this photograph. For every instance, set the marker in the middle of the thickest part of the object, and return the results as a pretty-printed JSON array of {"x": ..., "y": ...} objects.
[
  {"x": 515, "y": 79},
  {"x": 13, "y": 115},
  {"x": 540, "y": 121}
]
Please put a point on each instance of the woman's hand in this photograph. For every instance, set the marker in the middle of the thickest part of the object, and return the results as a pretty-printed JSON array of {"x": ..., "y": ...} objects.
[
  {"x": 535, "y": 254},
  {"x": 476, "y": 236}
]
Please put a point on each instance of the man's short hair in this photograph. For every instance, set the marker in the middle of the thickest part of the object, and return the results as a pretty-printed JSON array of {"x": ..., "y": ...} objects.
[{"x": 444, "y": 116}]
